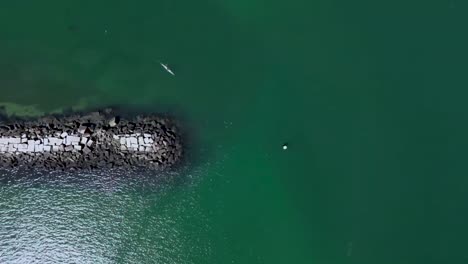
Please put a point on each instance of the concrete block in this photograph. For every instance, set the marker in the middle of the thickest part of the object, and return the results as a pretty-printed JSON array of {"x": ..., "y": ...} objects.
[
  {"x": 30, "y": 148},
  {"x": 86, "y": 150},
  {"x": 55, "y": 141},
  {"x": 14, "y": 140},
  {"x": 82, "y": 129},
  {"x": 72, "y": 139},
  {"x": 39, "y": 148},
  {"x": 22, "y": 146}
]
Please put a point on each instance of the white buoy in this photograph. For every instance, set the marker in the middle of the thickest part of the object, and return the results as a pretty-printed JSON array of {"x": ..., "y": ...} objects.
[{"x": 285, "y": 146}]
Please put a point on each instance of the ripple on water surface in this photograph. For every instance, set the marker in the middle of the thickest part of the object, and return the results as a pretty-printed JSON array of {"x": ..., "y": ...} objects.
[{"x": 96, "y": 218}]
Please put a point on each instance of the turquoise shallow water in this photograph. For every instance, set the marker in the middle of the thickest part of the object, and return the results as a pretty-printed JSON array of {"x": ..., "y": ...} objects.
[{"x": 370, "y": 96}]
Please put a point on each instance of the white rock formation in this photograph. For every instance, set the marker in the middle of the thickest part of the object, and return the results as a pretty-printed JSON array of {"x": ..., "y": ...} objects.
[{"x": 73, "y": 142}]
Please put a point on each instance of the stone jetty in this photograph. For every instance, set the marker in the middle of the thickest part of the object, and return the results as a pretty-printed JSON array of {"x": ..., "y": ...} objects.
[{"x": 94, "y": 140}]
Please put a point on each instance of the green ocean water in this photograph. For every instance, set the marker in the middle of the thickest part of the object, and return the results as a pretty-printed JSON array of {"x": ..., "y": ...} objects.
[{"x": 370, "y": 95}]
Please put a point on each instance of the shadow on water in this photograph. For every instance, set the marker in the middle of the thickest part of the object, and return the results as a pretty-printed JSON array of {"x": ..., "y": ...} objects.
[{"x": 116, "y": 178}]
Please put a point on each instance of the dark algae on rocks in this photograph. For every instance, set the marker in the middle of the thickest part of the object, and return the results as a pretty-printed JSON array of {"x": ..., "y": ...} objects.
[{"x": 92, "y": 140}]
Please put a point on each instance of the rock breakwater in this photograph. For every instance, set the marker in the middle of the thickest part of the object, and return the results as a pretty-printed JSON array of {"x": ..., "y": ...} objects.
[{"x": 94, "y": 140}]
